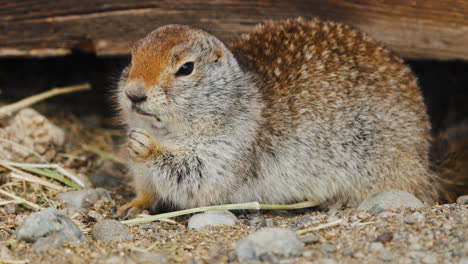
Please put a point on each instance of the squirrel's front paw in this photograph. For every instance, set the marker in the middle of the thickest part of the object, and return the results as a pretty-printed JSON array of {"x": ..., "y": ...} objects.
[{"x": 142, "y": 145}]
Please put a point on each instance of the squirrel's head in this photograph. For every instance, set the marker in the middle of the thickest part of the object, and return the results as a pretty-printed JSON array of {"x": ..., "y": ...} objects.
[{"x": 175, "y": 70}]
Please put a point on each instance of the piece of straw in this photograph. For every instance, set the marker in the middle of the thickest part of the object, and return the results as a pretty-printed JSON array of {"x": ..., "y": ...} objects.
[
  {"x": 322, "y": 226},
  {"x": 11, "y": 108},
  {"x": 45, "y": 166},
  {"x": 29, "y": 204},
  {"x": 2, "y": 203},
  {"x": 240, "y": 206},
  {"x": 33, "y": 179},
  {"x": 19, "y": 174}
]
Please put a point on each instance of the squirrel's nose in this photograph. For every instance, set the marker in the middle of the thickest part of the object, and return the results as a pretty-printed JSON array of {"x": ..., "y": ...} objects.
[{"x": 136, "y": 93}]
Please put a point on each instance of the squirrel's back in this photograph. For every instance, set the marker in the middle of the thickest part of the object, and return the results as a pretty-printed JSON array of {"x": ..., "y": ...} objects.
[{"x": 345, "y": 96}]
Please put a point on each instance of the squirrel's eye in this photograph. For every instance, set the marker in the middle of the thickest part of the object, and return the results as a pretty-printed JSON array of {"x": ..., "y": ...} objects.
[{"x": 185, "y": 69}]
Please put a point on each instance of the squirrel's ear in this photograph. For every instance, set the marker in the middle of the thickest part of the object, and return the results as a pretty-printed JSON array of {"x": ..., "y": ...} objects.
[{"x": 217, "y": 52}]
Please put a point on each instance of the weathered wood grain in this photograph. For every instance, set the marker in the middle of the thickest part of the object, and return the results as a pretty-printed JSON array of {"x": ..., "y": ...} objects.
[{"x": 420, "y": 29}]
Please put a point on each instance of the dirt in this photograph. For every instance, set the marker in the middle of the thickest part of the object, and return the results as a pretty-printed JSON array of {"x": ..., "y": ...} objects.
[{"x": 436, "y": 234}]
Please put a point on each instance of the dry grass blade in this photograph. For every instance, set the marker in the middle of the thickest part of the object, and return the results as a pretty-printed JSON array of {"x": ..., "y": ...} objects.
[
  {"x": 21, "y": 175},
  {"x": 34, "y": 179},
  {"x": 240, "y": 206},
  {"x": 29, "y": 166},
  {"x": 322, "y": 226},
  {"x": 29, "y": 204},
  {"x": 11, "y": 108},
  {"x": 11, "y": 201}
]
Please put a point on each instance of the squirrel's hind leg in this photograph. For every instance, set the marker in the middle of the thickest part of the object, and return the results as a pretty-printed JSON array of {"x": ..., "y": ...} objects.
[{"x": 143, "y": 200}]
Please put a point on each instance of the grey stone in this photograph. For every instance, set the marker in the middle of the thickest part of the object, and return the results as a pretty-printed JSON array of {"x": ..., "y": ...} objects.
[
  {"x": 310, "y": 238},
  {"x": 390, "y": 199},
  {"x": 414, "y": 218},
  {"x": 462, "y": 199},
  {"x": 53, "y": 241},
  {"x": 269, "y": 241},
  {"x": 304, "y": 220},
  {"x": 325, "y": 261},
  {"x": 348, "y": 252},
  {"x": 149, "y": 257},
  {"x": 49, "y": 222},
  {"x": 255, "y": 220},
  {"x": 103, "y": 178},
  {"x": 107, "y": 230},
  {"x": 82, "y": 198},
  {"x": 329, "y": 248},
  {"x": 387, "y": 256},
  {"x": 212, "y": 218},
  {"x": 376, "y": 246},
  {"x": 268, "y": 223},
  {"x": 429, "y": 259}
]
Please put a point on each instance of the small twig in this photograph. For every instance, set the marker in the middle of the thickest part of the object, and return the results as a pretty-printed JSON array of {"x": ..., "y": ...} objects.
[
  {"x": 45, "y": 166},
  {"x": 12, "y": 261},
  {"x": 29, "y": 204},
  {"x": 19, "y": 174},
  {"x": 322, "y": 226},
  {"x": 11, "y": 201},
  {"x": 103, "y": 154},
  {"x": 34, "y": 179},
  {"x": 11, "y": 108},
  {"x": 240, "y": 206}
]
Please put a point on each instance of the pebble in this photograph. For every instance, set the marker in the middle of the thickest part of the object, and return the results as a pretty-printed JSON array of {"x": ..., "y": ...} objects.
[
  {"x": 53, "y": 241},
  {"x": 107, "y": 230},
  {"x": 304, "y": 220},
  {"x": 325, "y": 261},
  {"x": 328, "y": 248},
  {"x": 387, "y": 256},
  {"x": 255, "y": 220},
  {"x": 268, "y": 223},
  {"x": 348, "y": 252},
  {"x": 49, "y": 222},
  {"x": 11, "y": 208},
  {"x": 389, "y": 199},
  {"x": 277, "y": 241},
  {"x": 385, "y": 237},
  {"x": 149, "y": 257},
  {"x": 462, "y": 199},
  {"x": 310, "y": 238},
  {"x": 103, "y": 178},
  {"x": 429, "y": 259},
  {"x": 82, "y": 198},
  {"x": 376, "y": 246},
  {"x": 212, "y": 218},
  {"x": 414, "y": 218}
]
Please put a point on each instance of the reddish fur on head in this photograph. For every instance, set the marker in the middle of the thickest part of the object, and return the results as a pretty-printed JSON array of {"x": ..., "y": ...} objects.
[{"x": 151, "y": 55}]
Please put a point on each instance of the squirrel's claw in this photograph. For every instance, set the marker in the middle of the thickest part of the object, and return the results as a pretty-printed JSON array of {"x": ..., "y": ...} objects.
[{"x": 142, "y": 145}]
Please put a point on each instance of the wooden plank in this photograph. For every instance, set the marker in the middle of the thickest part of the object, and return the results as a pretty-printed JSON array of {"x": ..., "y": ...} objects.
[{"x": 418, "y": 29}]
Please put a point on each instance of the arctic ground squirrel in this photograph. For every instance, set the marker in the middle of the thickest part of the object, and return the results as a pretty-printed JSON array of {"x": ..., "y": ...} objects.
[{"x": 296, "y": 110}]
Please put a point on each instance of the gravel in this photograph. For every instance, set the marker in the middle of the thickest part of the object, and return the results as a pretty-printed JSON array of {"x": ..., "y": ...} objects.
[
  {"x": 269, "y": 243},
  {"x": 389, "y": 199},
  {"x": 212, "y": 218},
  {"x": 107, "y": 230},
  {"x": 462, "y": 199},
  {"x": 83, "y": 198},
  {"x": 49, "y": 228}
]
